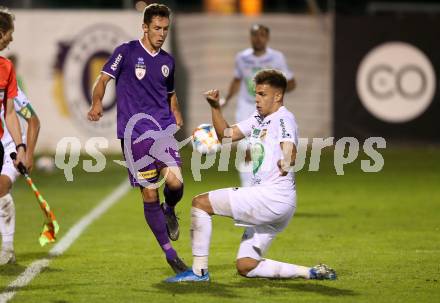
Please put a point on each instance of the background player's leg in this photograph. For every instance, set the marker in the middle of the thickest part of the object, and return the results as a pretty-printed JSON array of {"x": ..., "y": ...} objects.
[{"x": 7, "y": 221}]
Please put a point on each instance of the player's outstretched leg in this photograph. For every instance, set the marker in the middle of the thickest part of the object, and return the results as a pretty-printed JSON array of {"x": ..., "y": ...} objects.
[
  {"x": 156, "y": 220},
  {"x": 7, "y": 228},
  {"x": 201, "y": 229},
  {"x": 267, "y": 268}
]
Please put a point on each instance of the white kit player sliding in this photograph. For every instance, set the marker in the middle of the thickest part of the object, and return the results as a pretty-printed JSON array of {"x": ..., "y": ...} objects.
[
  {"x": 266, "y": 207},
  {"x": 247, "y": 63},
  {"x": 9, "y": 173}
]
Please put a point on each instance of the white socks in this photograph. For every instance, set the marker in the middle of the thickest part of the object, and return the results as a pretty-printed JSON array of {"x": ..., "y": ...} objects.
[
  {"x": 7, "y": 221},
  {"x": 273, "y": 269},
  {"x": 201, "y": 228}
]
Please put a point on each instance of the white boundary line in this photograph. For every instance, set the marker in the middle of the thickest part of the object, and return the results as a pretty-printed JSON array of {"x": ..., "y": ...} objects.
[{"x": 74, "y": 232}]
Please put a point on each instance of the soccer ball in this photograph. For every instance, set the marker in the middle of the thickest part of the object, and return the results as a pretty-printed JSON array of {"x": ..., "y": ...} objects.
[
  {"x": 204, "y": 139},
  {"x": 45, "y": 164}
]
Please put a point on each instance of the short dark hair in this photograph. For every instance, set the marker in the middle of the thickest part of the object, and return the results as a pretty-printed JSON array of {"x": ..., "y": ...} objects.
[
  {"x": 6, "y": 19},
  {"x": 272, "y": 77},
  {"x": 156, "y": 9},
  {"x": 257, "y": 27}
]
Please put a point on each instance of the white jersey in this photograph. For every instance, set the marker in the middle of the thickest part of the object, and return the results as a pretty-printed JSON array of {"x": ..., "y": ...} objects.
[
  {"x": 265, "y": 135},
  {"x": 246, "y": 66},
  {"x": 20, "y": 104}
]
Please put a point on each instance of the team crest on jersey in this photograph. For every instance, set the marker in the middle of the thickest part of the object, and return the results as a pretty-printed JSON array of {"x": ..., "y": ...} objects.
[
  {"x": 140, "y": 68},
  {"x": 165, "y": 71}
]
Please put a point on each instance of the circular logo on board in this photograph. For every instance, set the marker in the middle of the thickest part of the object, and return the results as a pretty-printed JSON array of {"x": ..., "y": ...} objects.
[
  {"x": 396, "y": 82},
  {"x": 78, "y": 64}
]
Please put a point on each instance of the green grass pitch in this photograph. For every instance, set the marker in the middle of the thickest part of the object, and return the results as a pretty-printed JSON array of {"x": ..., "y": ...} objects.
[{"x": 380, "y": 231}]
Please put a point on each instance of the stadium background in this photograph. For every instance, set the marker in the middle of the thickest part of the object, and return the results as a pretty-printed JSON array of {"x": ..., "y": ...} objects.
[
  {"x": 74, "y": 38},
  {"x": 379, "y": 230}
]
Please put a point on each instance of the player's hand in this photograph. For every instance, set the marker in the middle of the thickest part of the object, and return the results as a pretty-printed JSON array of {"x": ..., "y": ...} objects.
[
  {"x": 179, "y": 119},
  {"x": 95, "y": 113},
  {"x": 29, "y": 161},
  {"x": 21, "y": 157},
  {"x": 213, "y": 97},
  {"x": 284, "y": 167}
]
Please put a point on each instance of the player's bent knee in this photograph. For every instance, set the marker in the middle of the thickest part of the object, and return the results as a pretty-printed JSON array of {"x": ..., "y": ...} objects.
[
  {"x": 174, "y": 184},
  {"x": 5, "y": 185},
  {"x": 245, "y": 265},
  {"x": 149, "y": 195},
  {"x": 201, "y": 201}
]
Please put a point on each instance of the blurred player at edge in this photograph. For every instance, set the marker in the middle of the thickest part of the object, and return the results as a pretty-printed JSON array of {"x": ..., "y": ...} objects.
[
  {"x": 8, "y": 91},
  {"x": 9, "y": 174},
  {"x": 266, "y": 207},
  {"x": 247, "y": 63},
  {"x": 144, "y": 75}
]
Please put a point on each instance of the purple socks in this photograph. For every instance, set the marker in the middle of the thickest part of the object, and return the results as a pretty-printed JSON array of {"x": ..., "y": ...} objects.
[{"x": 156, "y": 220}]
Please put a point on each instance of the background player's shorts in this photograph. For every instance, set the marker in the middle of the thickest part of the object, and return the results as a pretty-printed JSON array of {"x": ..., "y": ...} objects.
[
  {"x": 151, "y": 156},
  {"x": 8, "y": 168},
  {"x": 264, "y": 211}
]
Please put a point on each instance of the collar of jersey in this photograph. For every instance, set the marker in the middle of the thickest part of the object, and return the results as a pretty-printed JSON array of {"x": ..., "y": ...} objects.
[
  {"x": 152, "y": 55},
  {"x": 267, "y": 117}
]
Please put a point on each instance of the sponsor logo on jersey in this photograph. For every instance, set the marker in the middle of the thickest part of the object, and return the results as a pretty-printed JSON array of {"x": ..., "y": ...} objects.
[
  {"x": 78, "y": 63},
  {"x": 284, "y": 133},
  {"x": 115, "y": 64}
]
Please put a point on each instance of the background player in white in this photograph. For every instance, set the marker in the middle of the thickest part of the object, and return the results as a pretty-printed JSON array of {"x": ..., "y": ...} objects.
[
  {"x": 266, "y": 207},
  {"x": 247, "y": 63},
  {"x": 9, "y": 173}
]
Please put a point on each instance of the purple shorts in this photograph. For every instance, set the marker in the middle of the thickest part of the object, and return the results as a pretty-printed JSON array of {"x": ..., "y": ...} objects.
[{"x": 147, "y": 158}]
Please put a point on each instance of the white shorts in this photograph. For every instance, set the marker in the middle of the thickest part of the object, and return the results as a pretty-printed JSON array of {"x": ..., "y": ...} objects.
[
  {"x": 8, "y": 166},
  {"x": 264, "y": 211}
]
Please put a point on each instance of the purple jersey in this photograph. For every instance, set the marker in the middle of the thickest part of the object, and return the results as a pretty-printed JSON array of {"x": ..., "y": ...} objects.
[{"x": 143, "y": 82}]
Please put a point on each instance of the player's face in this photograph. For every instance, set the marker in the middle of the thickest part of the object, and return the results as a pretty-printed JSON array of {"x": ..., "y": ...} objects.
[
  {"x": 6, "y": 38},
  {"x": 259, "y": 39},
  {"x": 156, "y": 32},
  {"x": 267, "y": 99}
]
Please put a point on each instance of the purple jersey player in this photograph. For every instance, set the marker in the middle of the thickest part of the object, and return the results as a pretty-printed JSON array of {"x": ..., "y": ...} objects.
[{"x": 148, "y": 115}]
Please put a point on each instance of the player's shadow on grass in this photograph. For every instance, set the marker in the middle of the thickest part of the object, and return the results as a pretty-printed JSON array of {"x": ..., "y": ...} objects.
[
  {"x": 31, "y": 256},
  {"x": 210, "y": 288},
  {"x": 11, "y": 269},
  {"x": 315, "y": 215},
  {"x": 280, "y": 285}
]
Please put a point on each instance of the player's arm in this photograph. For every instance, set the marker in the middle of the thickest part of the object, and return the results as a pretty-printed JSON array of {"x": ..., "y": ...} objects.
[
  {"x": 96, "y": 112},
  {"x": 175, "y": 109},
  {"x": 14, "y": 129},
  {"x": 222, "y": 127},
  {"x": 33, "y": 130},
  {"x": 233, "y": 89},
  {"x": 289, "y": 151}
]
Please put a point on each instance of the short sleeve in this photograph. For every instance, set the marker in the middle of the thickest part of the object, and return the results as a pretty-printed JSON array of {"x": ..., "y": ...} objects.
[
  {"x": 284, "y": 68},
  {"x": 170, "y": 79},
  {"x": 11, "y": 91},
  {"x": 113, "y": 65},
  {"x": 287, "y": 130},
  {"x": 238, "y": 73},
  {"x": 21, "y": 101},
  {"x": 245, "y": 126}
]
